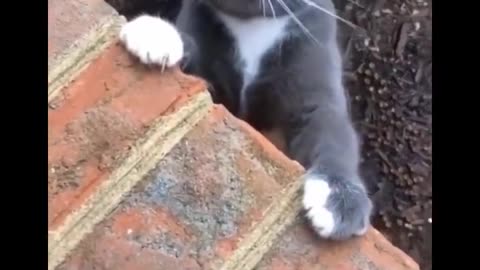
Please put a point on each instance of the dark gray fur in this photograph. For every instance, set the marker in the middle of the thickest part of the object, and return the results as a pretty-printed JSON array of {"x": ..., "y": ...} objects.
[{"x": 299, "y": 90}]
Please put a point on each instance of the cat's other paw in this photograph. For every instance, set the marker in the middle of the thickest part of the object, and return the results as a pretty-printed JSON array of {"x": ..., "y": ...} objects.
[
  {"x": 337, "y": 210},
  {"x": 153, "y": 40}
]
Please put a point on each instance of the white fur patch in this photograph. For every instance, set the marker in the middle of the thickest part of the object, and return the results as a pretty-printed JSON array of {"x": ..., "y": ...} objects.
[
  {"x": 315, "y": 196},
  {"x": 254, "y": 37},
  {"x": 153, "y": 40},
  {"x": 361, "y": 231}
]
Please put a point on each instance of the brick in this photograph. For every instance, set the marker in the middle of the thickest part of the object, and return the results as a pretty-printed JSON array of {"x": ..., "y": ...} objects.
[
  {"x": 104, "y": 130},
  {"x": 103, "y": 112},
  {"x": 299, "y": 248},
  {"x": 197, "y": 207},
  {"x": 77, "y": 32}
]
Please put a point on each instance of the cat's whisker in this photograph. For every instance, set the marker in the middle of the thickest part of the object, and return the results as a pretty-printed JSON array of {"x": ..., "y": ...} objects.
[
  {"x": 295, "y": 18},
  {"x": 263, "y": 8},
  {"x": 272, "y": 9},
  {"x": 312, "y": 4}
]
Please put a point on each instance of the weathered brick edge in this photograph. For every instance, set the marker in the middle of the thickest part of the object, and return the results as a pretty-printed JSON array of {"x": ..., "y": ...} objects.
[
  {"x": 77, "y": 57},
  {"x": 279, "y": 215},
  {"x": 159, "y": 140}
]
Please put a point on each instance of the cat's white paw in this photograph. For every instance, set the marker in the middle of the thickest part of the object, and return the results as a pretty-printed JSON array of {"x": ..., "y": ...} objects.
[
  {"x": 153, "y": 40},
  {"x": 315, "y": 197},
  {"x": 337, "y": 209}
]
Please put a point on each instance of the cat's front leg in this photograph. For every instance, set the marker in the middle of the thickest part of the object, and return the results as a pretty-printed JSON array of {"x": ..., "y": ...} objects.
[
  {"x": 153, "y": 41},
  {"x": 335, "y": 198}
]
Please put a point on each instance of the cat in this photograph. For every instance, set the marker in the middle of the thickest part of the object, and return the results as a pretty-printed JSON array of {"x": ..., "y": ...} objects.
[{"x": 277, "y": 65}]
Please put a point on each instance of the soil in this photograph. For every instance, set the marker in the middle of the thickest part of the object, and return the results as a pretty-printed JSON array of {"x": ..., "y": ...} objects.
[
  {"x": 388, "y": 72},
  {"x": 389, "y": 77}
]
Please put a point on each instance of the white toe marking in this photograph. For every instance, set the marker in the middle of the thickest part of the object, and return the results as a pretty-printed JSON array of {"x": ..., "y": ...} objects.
[
  {"x": 361, "y": 231},
  {"x": 315, "y": 196},
  {"x": 153, "y": 40}
]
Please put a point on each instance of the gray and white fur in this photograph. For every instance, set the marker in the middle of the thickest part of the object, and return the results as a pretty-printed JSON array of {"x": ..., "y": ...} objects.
[{"x": 277, "y": 65}]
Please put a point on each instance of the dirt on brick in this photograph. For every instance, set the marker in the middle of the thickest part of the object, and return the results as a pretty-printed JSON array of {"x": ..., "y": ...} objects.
[{"x": 101, "y": 133}]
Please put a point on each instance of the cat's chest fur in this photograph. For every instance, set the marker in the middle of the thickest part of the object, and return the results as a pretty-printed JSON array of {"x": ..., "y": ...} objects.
[{"x": 253, "y": 39}]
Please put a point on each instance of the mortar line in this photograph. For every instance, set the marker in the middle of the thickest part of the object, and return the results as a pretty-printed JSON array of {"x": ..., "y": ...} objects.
[
  {"x": 281, "y": 213},
  {"x": 81, "y": 53},
  {"x": 149, "y": 150}
]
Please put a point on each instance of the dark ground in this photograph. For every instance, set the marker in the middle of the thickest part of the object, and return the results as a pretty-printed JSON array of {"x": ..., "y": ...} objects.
[
  {"x": 388, "y": 66},
  {"x": 389, "y": 77}
]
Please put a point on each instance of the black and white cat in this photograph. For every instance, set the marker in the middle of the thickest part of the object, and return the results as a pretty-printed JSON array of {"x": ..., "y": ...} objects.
[{"x": 276, "y": 64}]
